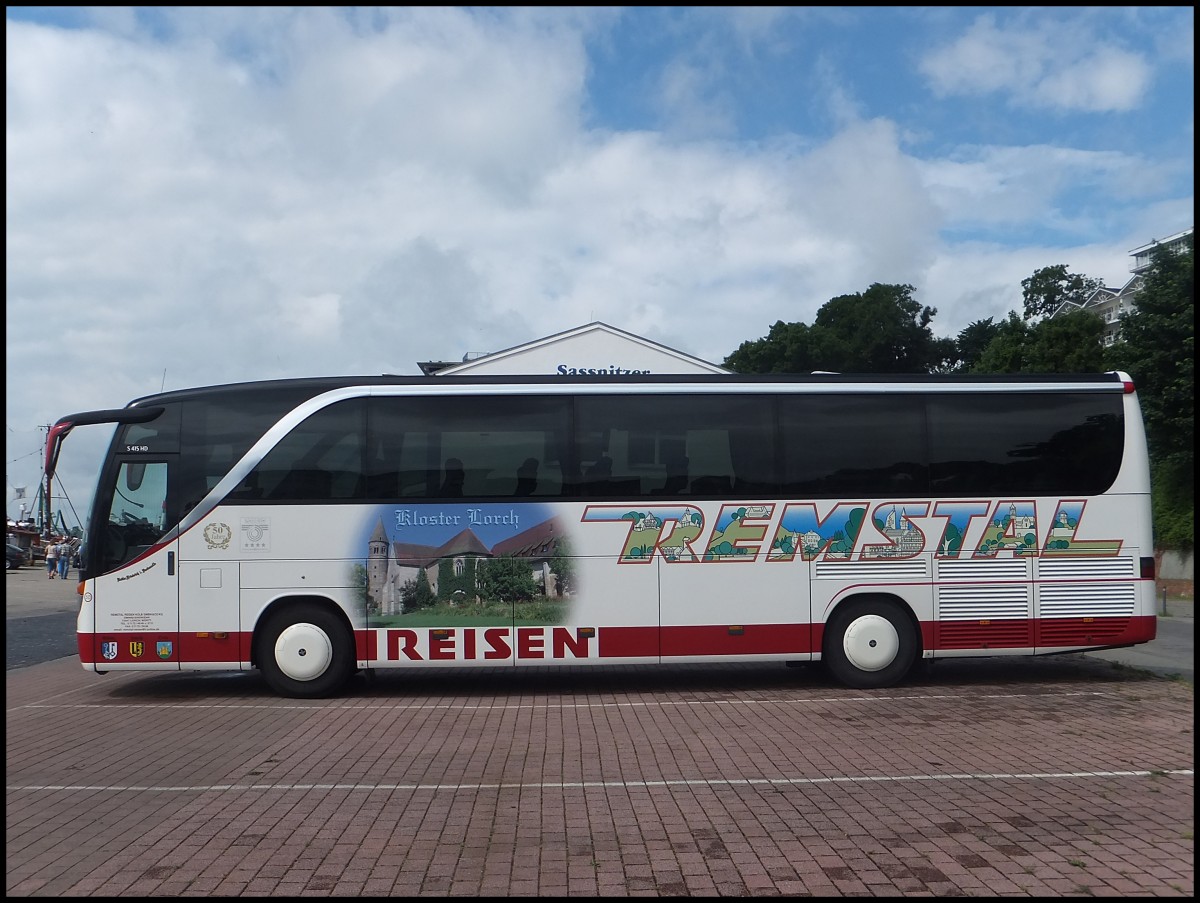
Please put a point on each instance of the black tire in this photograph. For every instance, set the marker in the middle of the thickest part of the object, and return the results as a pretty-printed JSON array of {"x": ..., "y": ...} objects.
[
  {"x": 306, "y": 651},
  {"x": 869, "y": 644}
]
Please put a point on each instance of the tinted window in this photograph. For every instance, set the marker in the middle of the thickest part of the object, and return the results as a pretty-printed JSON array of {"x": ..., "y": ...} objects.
[
  {"x": 320, "y": 460},
  {"x": 1025, "y": 443},
  {"x": 155, "y": 437},
  {"x": 217, "y": 430},
  {"x": 697, "y": 445},
  {"x": 457, "y": 447},
  {"x": 854, "y": 446},
  {"x": 893, "y": 445}
]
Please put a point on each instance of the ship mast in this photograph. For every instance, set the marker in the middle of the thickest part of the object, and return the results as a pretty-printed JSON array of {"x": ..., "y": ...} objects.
[{"x": 47, "y": 514}]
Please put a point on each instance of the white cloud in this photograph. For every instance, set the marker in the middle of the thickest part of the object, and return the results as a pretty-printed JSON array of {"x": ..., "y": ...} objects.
[
  {"x": 1109, "y": 79},
  {"x": 1016, "y": 185},
  {"x": 317, "y": 316},
  {"x": 692, "y": 103},
  {"x": 1056, "y": 65}
]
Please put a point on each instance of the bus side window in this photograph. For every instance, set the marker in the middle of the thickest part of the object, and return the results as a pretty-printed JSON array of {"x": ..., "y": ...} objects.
[
  {"x": 600, "y": 471},
  {"x": 711, "y": 484},
  {"x": 320, "y": 460},
  {"x": 527, "y": 477},
  {"x": 676, "y": 482},
  {"x": 709, "y": 454},
  {"x": 384, "y": 485},
  {"x": 452, "y": 483},
  {"x": 489, "y": 436},
  {"x": 304, "y": 484},
  {"x": 549, "y": 479},
  {"x": 384, "y": 459},
  {"x": 247, "y": 490}
]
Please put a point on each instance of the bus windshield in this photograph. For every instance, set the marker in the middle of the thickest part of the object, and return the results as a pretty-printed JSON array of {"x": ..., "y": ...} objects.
[{"x": 137, "y": 517}]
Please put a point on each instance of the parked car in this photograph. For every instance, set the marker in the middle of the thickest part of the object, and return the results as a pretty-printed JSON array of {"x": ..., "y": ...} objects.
[{"x": 14, "y": 557}]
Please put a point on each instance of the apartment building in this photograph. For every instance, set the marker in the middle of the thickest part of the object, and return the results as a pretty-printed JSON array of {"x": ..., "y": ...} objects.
[{"x": 1110, "y": 304}]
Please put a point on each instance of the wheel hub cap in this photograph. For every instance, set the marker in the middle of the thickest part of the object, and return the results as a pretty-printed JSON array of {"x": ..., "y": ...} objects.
[
  {"x": 303, "y": 651},
  {"x": 871, "y": 643}
]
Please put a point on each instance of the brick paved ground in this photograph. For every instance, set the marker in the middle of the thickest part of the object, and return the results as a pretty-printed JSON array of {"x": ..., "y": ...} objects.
[{"x": 1049, "y": 777}]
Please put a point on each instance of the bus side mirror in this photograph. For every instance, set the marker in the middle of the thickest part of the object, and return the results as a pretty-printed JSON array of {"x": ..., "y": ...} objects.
[{"x": 134, "y": 474}]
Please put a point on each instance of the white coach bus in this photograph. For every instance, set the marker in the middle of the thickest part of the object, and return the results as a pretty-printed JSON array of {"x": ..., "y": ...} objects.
[{"x": 313, "y": 528}]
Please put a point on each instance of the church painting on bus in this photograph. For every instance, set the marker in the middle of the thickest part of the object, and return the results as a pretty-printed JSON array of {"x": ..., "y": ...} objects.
[{"x": 481, "y": 564}]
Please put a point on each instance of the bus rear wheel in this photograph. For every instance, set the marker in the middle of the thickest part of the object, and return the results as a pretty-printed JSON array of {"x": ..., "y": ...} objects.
[
  {"x": 306, "y": 651},
  {"x": 869, "y": 644}
]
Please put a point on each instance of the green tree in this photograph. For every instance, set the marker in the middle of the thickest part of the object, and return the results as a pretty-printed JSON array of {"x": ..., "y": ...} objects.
[
  {"x": 972, "y": 342},
  {"x": 787, "y": 348},
  {"x": 415, "y": 594},
  {"x": 362, "y": 598},
  {"x": 451, "y": 583},
  {"x": 562, "y": 565},
  {"x": 881, "y": 330},
  {"x": 1069, "y": 343},
  {"x": 1051, "y": 286},
  {"x": 1157, "y": 348},
  {"x": 507, "y": 579},
  {"x": 1005, "y": 353}
]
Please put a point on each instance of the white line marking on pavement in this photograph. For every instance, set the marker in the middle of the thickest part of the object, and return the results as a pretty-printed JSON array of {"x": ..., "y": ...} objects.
[{"x": 568, "y": 785}]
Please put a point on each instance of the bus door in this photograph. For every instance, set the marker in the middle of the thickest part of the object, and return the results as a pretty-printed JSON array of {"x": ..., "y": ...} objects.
[
  {"x": 210, "y": 592},
  {"x": 135, "y": 596}
]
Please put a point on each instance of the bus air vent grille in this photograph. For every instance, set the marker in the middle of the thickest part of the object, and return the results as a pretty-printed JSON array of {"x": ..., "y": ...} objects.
[
  {"x": 873, "y": 571},
  {"x": 976, "y": 635},
  {"x": 972, "y": 603},
  {"x": 1086, "y": 600},
  {"x": 1002, "y": 569},
  {"x": 1079, "y": 632},
  {"x": 1082, "y": 568}
]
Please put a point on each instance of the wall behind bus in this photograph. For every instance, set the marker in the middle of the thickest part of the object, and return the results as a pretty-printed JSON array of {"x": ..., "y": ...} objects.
[{"x": 1176, "y": 573}]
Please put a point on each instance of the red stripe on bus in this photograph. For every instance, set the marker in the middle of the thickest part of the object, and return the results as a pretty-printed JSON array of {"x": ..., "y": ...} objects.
[
  {"x": 366, "y": 645},
  {"x": 748, "y": 639},
  {"x": 210, "y": 647},
  {"x": 87, "y": 647},
  {"x": 652, "y": 642},
  {"x": 1056, "y": 632},
  {"x": 627, "y": 642}
]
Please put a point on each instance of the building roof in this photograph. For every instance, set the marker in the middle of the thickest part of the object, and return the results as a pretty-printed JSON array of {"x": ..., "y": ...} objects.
[
  {"x": 538, "y": 541},
  {"x": 465, "y": 542},
  {"x": 593, "y": 349},
  {"x": 1140, "y": 249},
  {"x": 1101, "y": 297}
]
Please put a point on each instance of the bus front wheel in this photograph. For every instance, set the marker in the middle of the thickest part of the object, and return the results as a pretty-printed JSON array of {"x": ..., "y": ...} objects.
[
  {"x": 306, "y": 651},
  {"x": 869, "y": 644}
]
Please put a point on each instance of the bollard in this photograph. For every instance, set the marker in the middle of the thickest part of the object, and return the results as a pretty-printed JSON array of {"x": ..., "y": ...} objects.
[{"x": 1164, "y": 602}]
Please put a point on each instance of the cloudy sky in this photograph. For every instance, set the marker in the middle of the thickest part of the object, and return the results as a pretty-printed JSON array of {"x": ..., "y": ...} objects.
[{"x": 199, "y": 196}]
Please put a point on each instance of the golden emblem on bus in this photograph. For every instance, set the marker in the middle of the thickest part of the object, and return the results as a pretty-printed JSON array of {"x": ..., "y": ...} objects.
[
  {"x": 217, "y": 535},
  {"x": 137, "y": 648}
]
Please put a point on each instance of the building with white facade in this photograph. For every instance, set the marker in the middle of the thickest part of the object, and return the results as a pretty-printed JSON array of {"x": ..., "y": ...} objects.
[
  {"x": 595, "y": 349},
  {"x": 1111, "y": 304}
]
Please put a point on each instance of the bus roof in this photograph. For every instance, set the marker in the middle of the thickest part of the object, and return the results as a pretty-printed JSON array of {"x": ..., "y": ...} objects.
[{"x": 318, "y": 384}]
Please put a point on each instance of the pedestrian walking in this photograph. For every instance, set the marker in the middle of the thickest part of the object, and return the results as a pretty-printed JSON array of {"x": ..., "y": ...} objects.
[
  {"x": 51, "y": 560},
  {"x": 65, "y": 551}
]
